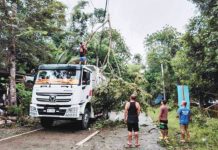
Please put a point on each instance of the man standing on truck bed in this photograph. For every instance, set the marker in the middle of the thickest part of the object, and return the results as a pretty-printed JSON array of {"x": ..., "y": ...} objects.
[
  {"x": 132, "y": 111},
  {"x": 82, "y": 53}
]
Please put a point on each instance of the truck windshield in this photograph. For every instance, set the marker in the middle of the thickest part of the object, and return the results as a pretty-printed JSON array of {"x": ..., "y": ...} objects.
[{"x": 58, "y": 77}]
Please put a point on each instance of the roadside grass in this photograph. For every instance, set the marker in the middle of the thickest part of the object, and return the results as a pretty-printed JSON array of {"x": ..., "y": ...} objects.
[{"x": 203, "y": 131}]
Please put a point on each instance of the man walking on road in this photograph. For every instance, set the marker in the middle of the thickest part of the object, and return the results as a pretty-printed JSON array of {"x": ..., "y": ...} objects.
[
  {"x": 184, "y": 115},
  {"x": 163, "y": 120},
  {"x": 131, "y": 113}
]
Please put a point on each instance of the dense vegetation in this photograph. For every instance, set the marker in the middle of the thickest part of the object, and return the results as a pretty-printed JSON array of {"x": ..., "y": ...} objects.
[
  {"x": 203, "y": 131},
  {"x": 35, "y": 32},
  {"x": 190, "y": 58}
]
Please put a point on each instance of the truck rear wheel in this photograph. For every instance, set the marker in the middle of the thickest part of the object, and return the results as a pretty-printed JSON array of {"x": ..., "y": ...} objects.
[
  {"x": 46, "y": 122},
  {"x": 85, "y": 119}
]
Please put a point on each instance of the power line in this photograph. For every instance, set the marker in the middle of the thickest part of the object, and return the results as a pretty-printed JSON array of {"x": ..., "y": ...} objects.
[{"x": 105, "y": 9}]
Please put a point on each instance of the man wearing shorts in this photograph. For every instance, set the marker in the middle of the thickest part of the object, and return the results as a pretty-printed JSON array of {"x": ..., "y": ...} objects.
[
  {"x": 132, "y": 111},
  {"x": 82, "y": 53},
  {"x": 163, "y": 120},
  {"x": 184, "y": 115}
]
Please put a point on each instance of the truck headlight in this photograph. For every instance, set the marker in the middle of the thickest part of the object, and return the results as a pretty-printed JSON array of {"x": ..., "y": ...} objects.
[
  {"x": 72, "y": 112},
  {"x": 33, "y": 111}
]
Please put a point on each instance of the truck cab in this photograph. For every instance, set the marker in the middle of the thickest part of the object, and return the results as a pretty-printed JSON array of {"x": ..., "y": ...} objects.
[{"x": 64, "y": 91}]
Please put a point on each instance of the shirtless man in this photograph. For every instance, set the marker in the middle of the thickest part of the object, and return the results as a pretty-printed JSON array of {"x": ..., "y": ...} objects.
[
  {"x": 82, "y": 53},
  {"x": 163, "y": 120}
]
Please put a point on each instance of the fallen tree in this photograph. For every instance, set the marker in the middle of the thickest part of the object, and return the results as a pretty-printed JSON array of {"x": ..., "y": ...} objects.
[{"x": 114, "y": 94}]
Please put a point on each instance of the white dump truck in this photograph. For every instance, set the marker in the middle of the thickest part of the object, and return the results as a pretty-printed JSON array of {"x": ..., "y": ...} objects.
[{"x": 64, "y": 91}]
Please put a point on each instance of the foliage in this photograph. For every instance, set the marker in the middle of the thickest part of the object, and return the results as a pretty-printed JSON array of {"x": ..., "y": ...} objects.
[
  {"x": 199, "y": 117},
  {"x": 189, "y": 58},
  {"x": 42, "y": 36},
  {"x": 161, "y": 47},
  {"x": 14, "y": 110},
  {"x": 137, "y": 58},
  {"x": 81, "y": 23},
  {"x": 201, "y": 44},
  {"x": 24, "y": 98},
  {"x": 116, "y": 92},
  {"x": 203, "y": 136},
  {"x": 35, "y": 23},
  {"x": 182, "y": 72},
  {"x": 21, "y": 111},
  {"x": 101, "y": 123},
  {"x": 99, "y": 50}
]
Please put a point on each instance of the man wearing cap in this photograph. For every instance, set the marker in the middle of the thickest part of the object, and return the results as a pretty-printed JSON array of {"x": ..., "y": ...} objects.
[
  {"x": 131, "y": 113},
  {"x": 184, "y": 115}
]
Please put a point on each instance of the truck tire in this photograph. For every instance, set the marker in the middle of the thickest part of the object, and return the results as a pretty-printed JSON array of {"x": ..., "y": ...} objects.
[
  {"x": 46, "y": 122},
  {"x": 85, "y": 119}
]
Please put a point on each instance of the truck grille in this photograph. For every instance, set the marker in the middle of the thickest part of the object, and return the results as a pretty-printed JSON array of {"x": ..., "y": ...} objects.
[
  {"x": 58, "y": 110},
  {"x": 56, "y": 113},
  {"x": 48, "y": 100},
  {"x": 53, "y": 97},
  {"x": 52, "y": 94}
]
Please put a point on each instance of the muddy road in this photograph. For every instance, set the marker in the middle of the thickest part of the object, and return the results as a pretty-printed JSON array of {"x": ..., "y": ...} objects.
[
  {"x": 66, "y": 136},
  {"x": 63, "y": 136}
]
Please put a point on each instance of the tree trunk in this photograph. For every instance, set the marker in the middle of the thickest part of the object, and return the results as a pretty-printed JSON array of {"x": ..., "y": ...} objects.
[
  {"x": 12, "y": 79},
  {"x": 12, "y": 52}
]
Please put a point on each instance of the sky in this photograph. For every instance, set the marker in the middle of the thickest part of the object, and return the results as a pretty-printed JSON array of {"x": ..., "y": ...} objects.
[{"x": 135, "y": 19}]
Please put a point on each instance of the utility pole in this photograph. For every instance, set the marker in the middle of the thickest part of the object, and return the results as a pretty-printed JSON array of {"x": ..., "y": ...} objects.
[{"x": 162, "y": 71}]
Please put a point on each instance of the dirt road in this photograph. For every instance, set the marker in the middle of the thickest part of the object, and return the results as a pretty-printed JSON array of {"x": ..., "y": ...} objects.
[
  {"x": 65, "y": 136},
  {"x": 116, "y": 139}
]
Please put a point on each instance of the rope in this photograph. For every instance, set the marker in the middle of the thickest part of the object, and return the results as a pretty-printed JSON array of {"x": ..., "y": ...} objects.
[
  {"x": 105, "y": 10},
  {"x": 93, "y": 33},
  {"x": 110, "y": 50},
  {"x": 110, "y": 46}
]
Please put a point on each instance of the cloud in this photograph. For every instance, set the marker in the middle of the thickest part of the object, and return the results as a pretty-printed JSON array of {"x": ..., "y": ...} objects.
[{"x": 137, "y": 18}]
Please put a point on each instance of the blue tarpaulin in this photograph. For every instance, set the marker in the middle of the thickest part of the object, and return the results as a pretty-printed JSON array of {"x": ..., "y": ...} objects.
[
  {"x": 158, "y": 99},
  {"x": 183, "y": 94}
]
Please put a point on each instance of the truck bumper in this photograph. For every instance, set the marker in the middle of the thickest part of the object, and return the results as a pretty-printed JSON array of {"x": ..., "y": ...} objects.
[{"x": 55, "y": 111}]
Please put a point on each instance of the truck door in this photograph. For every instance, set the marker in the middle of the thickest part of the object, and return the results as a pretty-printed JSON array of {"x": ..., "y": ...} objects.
[{"x": 86, "y": 85}]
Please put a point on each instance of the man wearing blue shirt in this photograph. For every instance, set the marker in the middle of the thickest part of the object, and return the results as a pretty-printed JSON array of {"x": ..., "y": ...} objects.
[{"x": 184, "y": 115}]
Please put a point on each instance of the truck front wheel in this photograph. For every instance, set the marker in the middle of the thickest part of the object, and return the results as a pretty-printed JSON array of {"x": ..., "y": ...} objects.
[
  {"x": 46, "y": 122},
  {"x": 85, "y": 119}
]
